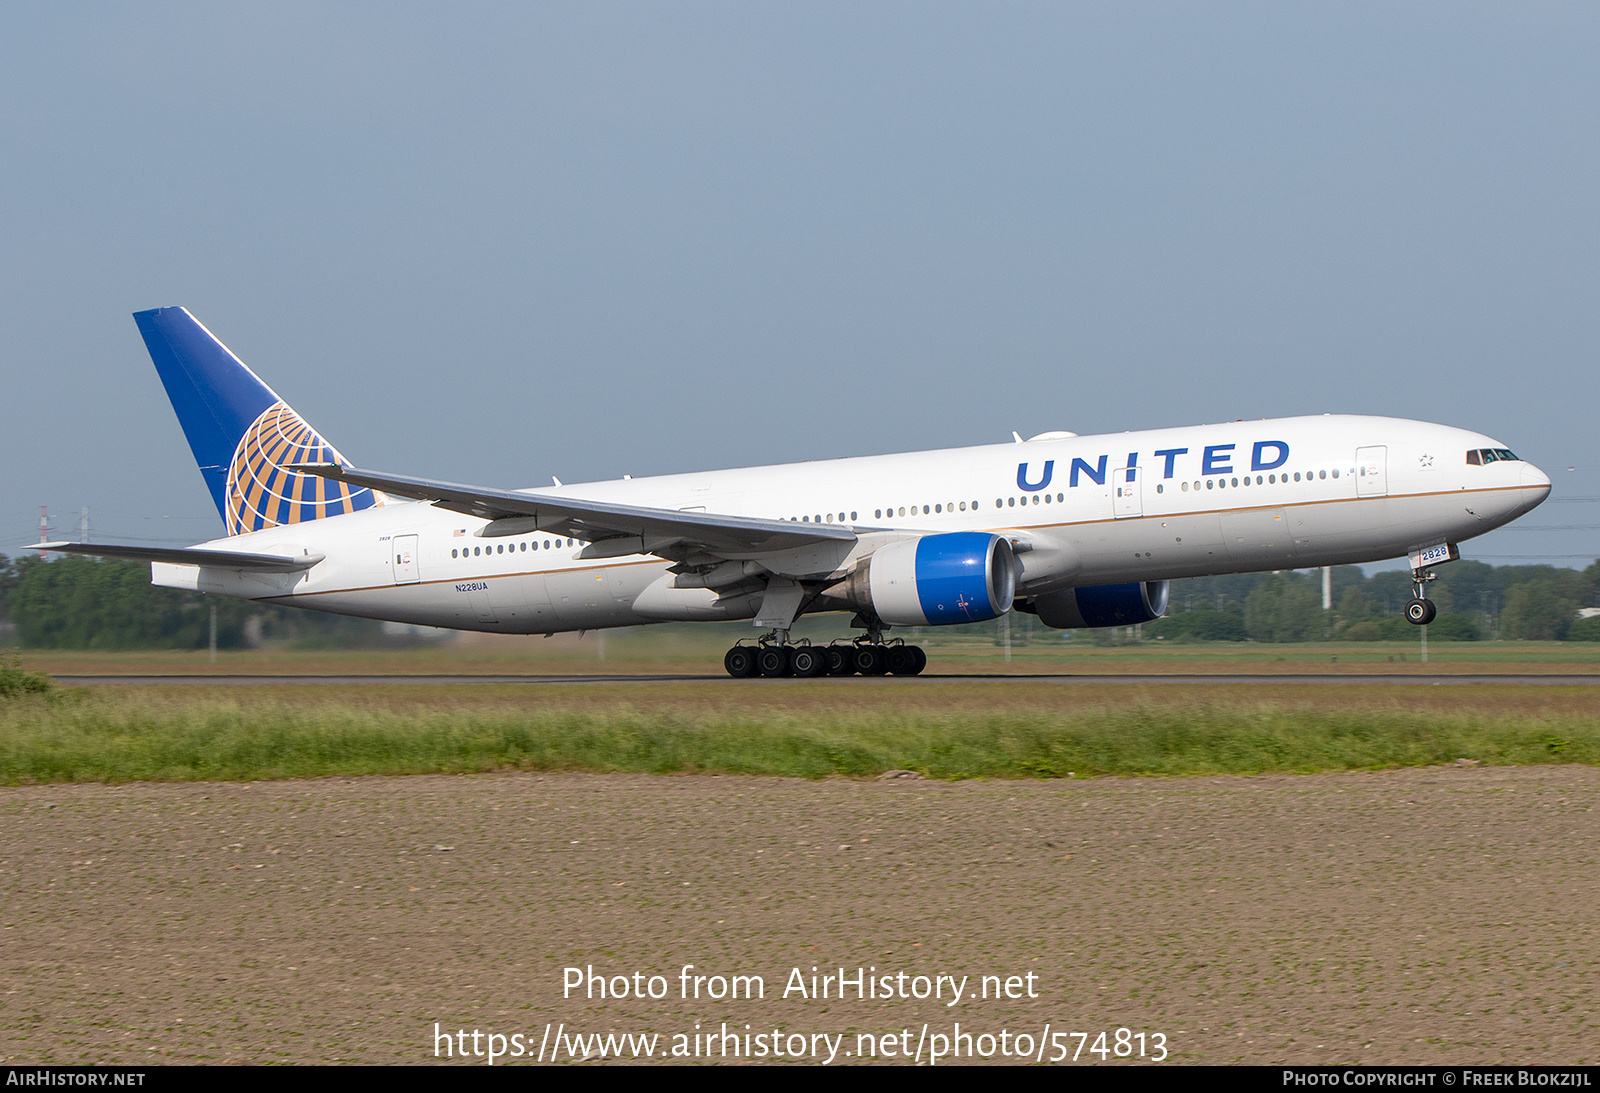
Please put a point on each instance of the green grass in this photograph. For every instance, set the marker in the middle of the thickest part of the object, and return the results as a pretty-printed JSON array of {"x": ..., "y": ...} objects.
[
  {"x": 678, "y": 650},
  {"x": 14, "y": 681},
  {"x": 157, "y": 735}
]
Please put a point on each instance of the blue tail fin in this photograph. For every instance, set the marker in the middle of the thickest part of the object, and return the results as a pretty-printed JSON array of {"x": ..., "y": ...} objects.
[{"x": 242, "y": 434}]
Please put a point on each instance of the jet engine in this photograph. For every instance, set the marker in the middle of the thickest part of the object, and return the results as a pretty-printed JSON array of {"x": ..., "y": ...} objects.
[
  {"x": 935, "y": 580},
  {"x": 1103, "y": 605}
]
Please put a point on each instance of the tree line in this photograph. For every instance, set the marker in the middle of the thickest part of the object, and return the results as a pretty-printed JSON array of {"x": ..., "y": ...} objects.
[
  {"x": 75, "y": 602},
  {"x": 1476, "y": 601}
]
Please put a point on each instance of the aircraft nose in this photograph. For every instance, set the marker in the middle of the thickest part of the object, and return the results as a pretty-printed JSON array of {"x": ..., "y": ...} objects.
[{"x": 1535, "y": 486}]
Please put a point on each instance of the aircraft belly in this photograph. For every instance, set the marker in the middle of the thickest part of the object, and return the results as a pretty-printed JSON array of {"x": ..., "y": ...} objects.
[
  {"x": 598, "y": 597},
  {"x": 1146, "y": 547},
  {"x": 1379, "y": 527},
  {"x": 1257, "y": 537}
]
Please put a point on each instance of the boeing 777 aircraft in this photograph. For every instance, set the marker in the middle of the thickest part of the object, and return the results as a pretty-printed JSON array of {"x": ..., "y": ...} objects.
[{"x": 1081, "y": 531}]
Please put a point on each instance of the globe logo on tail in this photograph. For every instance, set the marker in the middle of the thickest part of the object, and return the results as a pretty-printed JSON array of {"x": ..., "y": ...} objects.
[{"x": 261, "y": 493}]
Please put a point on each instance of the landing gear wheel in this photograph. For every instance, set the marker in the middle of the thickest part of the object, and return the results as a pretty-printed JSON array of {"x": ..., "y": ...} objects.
[
  {"x": 902, "y": 660},
  {"x": 773, "y": 661},
  {"x": 740, "y": 662},
  {"x": 1420, "y": 612},
  {"x": 839, "y": 660},
  {"x": 870, "y": 660},
  {"x": 921, "y": 659},
  {"x": 805, "y": 662}
]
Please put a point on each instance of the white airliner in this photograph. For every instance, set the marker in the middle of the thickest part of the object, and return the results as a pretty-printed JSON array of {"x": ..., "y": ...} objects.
[{"x": 1081, "y": 531}]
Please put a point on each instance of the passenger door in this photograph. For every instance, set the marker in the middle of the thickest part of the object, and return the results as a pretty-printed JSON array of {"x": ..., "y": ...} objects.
[
  {"x": 403, "y": 559},
  {"x": 1126, "y": 498},
  {"x": 1372, "y": 471}
]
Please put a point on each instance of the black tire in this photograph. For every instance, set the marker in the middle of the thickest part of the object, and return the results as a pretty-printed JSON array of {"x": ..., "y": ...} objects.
[
  {"x": 840, "y": 662},
  {"x": 805, "y": 662},
  {"x": 921, "y": 659},
  {"x": 740, "y": 662},
  {"x": 1417, "y": 612},
  {"x": 773, "y": 662},
  {"x": 871, "y": 660},
  {"x": 901, "y": 660},
  {"x": 1433, "y": 612}
]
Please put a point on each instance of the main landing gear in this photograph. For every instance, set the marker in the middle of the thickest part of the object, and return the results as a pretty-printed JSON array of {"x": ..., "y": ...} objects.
[
  {"x": 771, "y": 659},
  {"x": 1419, "y": 609}
]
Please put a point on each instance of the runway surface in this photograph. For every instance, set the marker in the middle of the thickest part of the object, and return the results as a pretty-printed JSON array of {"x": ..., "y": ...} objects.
[{"x": 570, "y": 680}]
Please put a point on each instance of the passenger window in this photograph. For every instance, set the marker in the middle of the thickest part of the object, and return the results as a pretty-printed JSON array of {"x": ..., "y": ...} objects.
[
  {"x": 852, "y": 516},
  {"x": 939, "y": 509},
  {"x": 1011, "y": 501},
  {"x": 1186, "y": 487},
  {"x": 452, "y": 554},
  {"x": 1336, "y": 472},
  {"x": 1159, "y": 488},
  {"x": 1211, "y": 484},
  {"x": 1322, "y": 474}
]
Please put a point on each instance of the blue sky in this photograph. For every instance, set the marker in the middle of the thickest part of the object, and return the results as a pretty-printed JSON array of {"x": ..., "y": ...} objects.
[{"x": 493, "y": 243}]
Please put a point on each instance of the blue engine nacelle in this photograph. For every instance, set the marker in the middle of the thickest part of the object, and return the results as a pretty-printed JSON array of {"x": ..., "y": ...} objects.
[
  {"x": 1104, "y": 605},
  {"x": 962, "y": 576}
]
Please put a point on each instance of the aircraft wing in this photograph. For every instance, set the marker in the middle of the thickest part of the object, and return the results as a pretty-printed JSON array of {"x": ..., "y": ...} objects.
[
  {"x": 637, "y": 529},
  {"x": 225, "y": 559}
]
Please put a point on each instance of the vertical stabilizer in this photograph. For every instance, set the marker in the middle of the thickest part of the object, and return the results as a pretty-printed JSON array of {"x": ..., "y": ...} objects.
[{"x": 242, "y": 434}]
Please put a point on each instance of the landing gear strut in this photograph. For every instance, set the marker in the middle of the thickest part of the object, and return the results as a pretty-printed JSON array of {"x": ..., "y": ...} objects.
[{"x": 1419, "y": 609}]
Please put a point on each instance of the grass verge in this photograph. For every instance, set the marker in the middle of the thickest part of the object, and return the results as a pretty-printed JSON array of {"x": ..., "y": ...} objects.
[{"x": 151, "y": 735}]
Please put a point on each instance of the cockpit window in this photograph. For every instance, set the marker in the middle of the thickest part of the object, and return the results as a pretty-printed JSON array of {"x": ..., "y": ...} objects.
[{"x": 1491, "y": 455}]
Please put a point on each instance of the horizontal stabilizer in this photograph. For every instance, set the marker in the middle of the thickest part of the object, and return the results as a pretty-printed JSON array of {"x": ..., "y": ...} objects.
[
  {"x": 595, "y": 521},
  {"x": 222, "y": 559}
]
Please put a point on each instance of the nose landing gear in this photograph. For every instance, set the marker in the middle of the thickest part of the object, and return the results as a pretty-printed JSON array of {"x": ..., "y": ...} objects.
[{"x": 1420, "y": 610}]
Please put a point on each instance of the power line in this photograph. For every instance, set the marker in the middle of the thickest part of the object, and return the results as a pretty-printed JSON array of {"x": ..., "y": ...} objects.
[{"x": 1592, "y": 555}]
